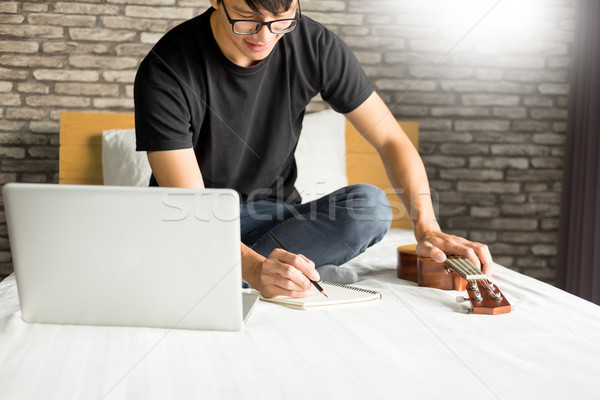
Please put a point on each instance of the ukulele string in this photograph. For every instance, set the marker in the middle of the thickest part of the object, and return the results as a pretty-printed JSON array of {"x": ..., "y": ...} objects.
[
  {"x": 461, "y": 267},
  {"x": 466, "y": 272},
  {"x": 466, "y": 266},
  {"x": 488, "y": 285}
]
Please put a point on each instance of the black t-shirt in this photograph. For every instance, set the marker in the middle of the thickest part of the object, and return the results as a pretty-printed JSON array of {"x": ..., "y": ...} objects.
[{"x": 243, "y": 123}]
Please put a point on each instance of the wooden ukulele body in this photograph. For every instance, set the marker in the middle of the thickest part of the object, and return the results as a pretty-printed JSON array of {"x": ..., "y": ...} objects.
[{"x": 426, "y": 272}]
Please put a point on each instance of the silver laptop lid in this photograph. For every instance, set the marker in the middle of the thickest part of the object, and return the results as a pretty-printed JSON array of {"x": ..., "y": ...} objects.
[{"x": 98, "y": 255}]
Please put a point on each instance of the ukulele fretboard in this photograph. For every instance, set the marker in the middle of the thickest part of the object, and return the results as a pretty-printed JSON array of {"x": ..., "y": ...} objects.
[{"x": 465, "y": 268}]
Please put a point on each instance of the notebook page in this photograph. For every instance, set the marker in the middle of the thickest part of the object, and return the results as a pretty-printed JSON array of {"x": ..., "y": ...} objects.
[{"x": 337, "y": 294}]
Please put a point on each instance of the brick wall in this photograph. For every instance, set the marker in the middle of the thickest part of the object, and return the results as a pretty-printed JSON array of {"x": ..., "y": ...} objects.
[{"x": 491, "y": 97}]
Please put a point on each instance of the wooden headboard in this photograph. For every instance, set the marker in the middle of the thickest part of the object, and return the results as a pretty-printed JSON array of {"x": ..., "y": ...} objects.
[
  {"x": 363, "y": 165},
  {"x": 81, "y": 154}
]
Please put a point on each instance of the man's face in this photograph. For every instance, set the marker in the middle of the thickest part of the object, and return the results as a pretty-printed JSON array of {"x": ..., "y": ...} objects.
[{"x": 245, "y": 50}]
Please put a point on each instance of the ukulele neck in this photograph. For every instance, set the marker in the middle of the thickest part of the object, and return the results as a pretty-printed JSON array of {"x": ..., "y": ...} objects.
[{"x": 465, "y": 268}]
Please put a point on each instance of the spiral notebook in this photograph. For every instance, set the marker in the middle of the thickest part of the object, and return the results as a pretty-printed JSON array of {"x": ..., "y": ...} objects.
[{"x": 338, "y": 294}]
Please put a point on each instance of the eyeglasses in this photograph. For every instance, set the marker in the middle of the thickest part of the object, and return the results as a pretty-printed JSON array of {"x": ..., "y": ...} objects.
[{"x": 278, "y": 26}]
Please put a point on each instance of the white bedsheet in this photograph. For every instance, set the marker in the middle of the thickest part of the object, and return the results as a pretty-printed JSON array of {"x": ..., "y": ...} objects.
[{"x": 412, "y": 344}]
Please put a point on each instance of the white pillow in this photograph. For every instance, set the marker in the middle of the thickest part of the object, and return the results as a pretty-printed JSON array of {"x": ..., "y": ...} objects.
[
  {"x": 320, "y": 156},
  {"x": 121, "y": 164}
]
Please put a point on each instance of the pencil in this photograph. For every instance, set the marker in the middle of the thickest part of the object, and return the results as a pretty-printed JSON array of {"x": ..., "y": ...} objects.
[{"x": 315, "y": 283}]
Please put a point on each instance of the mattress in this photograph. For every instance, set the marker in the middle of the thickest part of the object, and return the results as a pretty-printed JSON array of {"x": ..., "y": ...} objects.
[{"x": 414, "y": 343}]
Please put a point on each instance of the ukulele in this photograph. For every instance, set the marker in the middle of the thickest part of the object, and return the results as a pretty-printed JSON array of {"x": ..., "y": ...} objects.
[{"x": 456, "y": 273}]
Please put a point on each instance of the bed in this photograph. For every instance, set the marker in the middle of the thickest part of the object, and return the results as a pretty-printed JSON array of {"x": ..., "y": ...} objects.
[{"x": 414, "y": 343}]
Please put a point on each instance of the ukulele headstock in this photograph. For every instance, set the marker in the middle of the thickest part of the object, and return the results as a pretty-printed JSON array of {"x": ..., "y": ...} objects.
[{"x": 486, "y": 298}]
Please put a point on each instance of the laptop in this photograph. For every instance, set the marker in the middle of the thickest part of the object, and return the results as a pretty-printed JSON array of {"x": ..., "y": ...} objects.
[{"x": 127, "y": 256}]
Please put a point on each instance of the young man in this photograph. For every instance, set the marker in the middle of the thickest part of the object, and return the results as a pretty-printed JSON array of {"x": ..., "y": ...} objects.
[{"x": 219, "y": 102}]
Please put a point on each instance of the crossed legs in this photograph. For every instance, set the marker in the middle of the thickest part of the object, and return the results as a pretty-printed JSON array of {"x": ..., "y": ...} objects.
[{"x": 330, "y": 230}]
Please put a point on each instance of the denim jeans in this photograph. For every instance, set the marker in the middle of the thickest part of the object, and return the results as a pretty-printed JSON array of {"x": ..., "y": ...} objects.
[{"x": 330, "y": 230}]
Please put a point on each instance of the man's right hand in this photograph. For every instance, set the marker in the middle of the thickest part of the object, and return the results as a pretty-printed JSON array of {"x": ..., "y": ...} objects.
[{"x": 281, "y": 274}]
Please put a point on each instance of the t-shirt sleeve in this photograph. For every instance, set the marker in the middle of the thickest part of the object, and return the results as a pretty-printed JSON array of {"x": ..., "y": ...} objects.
[
  {"x": 162, "y": 116},
  {"x": 344, "y": 85}
]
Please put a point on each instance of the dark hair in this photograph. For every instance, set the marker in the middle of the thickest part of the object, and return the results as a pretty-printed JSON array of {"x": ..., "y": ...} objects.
[{"x": 273, "y": 6}]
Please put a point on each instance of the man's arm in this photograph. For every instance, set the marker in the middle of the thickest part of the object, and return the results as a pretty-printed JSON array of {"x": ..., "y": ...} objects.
[
  {"x": 282, "y": 273},
  {"x": 176, "y": 168},
  {"x": 407, "y": 175}
]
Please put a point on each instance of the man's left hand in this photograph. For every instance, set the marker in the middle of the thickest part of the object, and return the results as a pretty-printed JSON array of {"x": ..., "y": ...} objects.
[{"x": 436, "y": 244}]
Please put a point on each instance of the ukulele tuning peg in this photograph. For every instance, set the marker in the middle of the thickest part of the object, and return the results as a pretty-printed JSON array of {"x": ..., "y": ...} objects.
[
  {"x": 465, "y": 309},
  {"x": 460, "y": 299}
]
